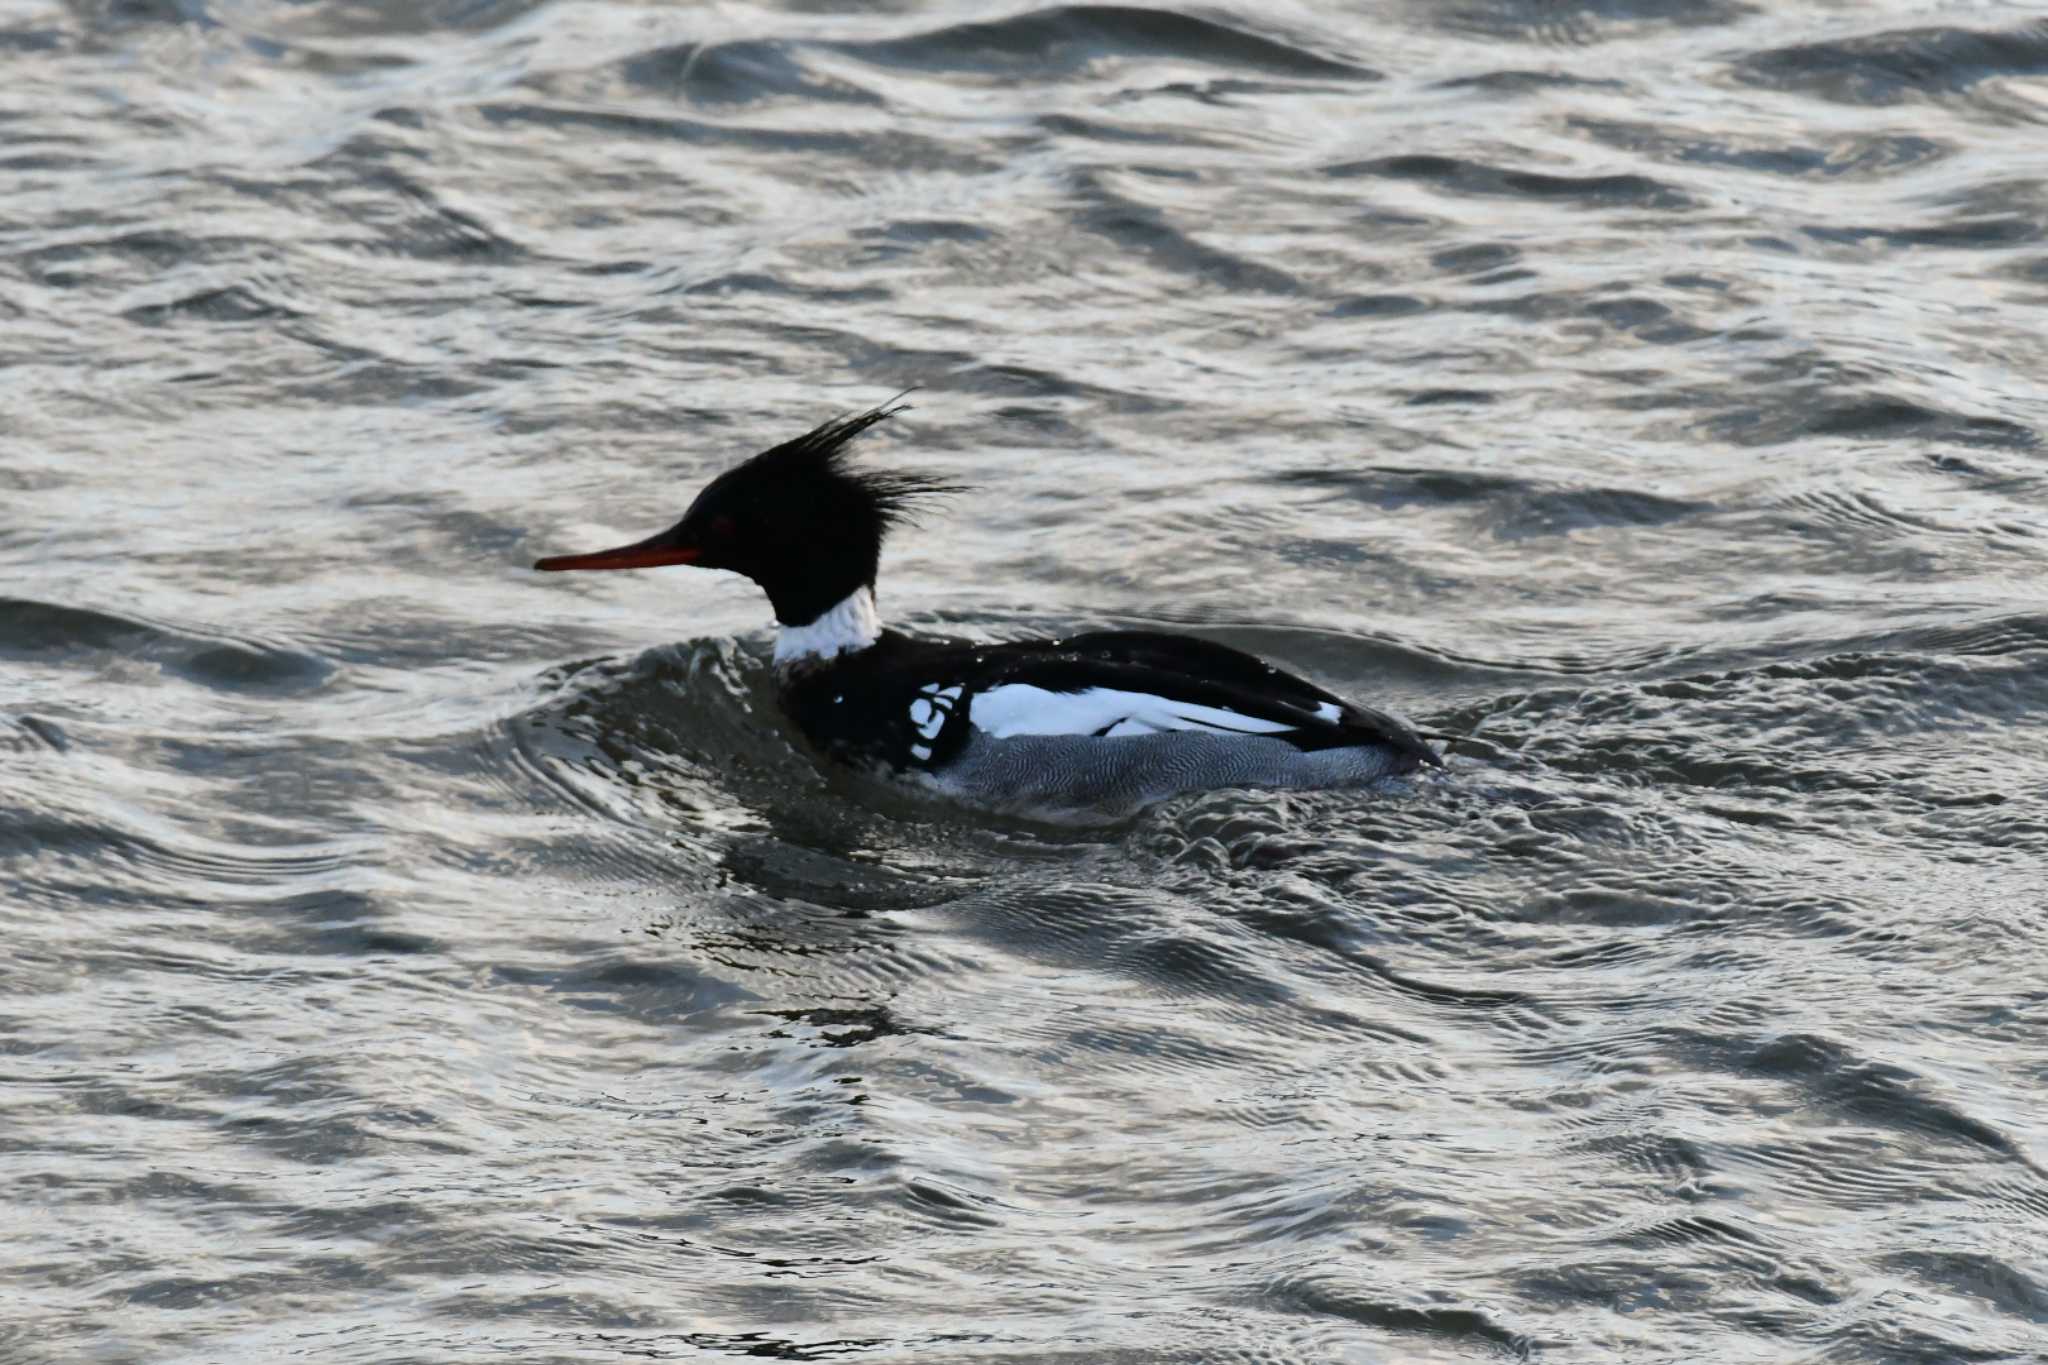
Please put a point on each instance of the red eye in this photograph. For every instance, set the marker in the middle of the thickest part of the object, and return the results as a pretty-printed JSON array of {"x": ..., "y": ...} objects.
[{"x": 724, "y": 528}]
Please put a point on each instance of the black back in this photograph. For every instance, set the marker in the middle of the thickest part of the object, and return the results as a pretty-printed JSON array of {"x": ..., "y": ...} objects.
[{"x": 859, "y": 706}]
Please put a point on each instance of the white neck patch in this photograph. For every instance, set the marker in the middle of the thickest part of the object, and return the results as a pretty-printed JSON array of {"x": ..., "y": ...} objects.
[{"x": 852, "y": 625}]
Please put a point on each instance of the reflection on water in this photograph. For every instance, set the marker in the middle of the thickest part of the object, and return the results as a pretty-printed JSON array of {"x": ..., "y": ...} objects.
[{"x": 412, "y": 957}]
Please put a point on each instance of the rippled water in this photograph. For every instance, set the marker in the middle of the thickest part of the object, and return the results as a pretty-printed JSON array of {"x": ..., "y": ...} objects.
[{"x": 412, "y": 957}]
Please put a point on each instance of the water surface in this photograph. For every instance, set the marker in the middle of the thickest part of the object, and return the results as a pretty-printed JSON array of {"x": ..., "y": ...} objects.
[{"x": 412, "y": 957}]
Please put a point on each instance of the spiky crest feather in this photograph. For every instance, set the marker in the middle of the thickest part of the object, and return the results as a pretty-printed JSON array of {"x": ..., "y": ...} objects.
[{"x": 825, "y": 452}]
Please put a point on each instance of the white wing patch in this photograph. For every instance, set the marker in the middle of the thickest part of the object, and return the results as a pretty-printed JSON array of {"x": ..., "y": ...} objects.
[
  {"x": 929, "y": 710},
  {"x": 1021, "y": 709}
]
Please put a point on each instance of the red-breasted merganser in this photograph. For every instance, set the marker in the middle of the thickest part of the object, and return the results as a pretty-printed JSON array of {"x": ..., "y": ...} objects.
[{"x": 1104, "y": 722}]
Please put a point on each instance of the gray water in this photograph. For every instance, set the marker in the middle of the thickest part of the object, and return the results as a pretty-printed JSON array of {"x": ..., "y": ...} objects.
[{"x": 411, "y": 957}]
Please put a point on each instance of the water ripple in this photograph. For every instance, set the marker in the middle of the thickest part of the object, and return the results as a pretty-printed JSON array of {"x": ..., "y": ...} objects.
[{"x": 414, "y": 957}]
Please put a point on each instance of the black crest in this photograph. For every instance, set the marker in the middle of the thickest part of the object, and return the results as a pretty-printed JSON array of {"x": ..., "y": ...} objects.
[
  {"x": 802, "y": 520},
  {"x": 825, "y": 454}
]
